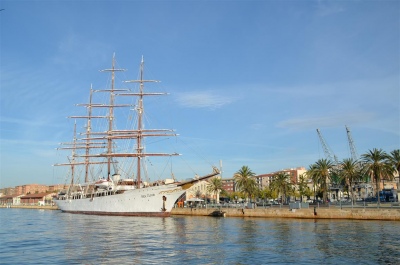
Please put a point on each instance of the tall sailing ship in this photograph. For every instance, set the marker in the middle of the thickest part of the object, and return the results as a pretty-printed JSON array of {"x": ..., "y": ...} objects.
[{"x": 120, "y": 191}]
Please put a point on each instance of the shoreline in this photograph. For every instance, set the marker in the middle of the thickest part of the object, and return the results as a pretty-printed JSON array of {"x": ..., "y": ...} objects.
[
  {"x": 33, "y": 207},
  {"x": 383, "y": 213}
]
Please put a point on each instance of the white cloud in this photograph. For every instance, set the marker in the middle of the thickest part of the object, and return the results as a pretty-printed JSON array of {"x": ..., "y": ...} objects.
[{"x": 207, "y": 99}]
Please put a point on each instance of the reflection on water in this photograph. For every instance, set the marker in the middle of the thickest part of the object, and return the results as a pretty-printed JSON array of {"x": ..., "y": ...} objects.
[{"x": 52, "y": 237}]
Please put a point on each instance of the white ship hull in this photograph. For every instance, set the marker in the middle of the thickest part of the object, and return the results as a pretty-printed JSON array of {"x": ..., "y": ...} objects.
[{"x": 150, "y": 201}]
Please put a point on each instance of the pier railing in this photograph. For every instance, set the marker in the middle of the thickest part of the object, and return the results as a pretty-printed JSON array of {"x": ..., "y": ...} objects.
[{"x": 358, "y": 205}]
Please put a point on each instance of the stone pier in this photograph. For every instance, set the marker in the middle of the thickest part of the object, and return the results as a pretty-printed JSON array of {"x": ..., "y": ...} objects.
[{"x": 389, "y": 214}]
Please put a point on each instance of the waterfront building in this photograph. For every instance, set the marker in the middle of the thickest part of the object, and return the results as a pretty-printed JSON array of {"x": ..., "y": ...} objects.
[
  {"x": 228, "y": 185},
  {"x": 57, "y": 187},
  {"x": 37, "y": 198},
  {"x": 264, "y": 180},
  {"x": 18, "y": 190},
  {"x": 10, "y": 200},
  {"x": 7, "y": 191},
  {"x": 198, "y": 190},
  {"x": 6, "y": 200},
  {"x": 390, "y": 184},
  {"x": 31, "y": 188}
]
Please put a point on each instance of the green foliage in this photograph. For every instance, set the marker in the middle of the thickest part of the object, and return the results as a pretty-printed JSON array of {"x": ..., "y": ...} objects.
[
  {"x": 225, "y": 194},
  {"x": 394, "y": 159},
  {"x": 214, "y": 185},
  {"x": 266, "y": 193},
  {"x": 377, "y": 164},
  {"x": 281, "y": 182},
  {"x": 245, "y": 182},
  {"x": 349, "y": 173},
  {"x": 303, "y": 189},
  {"x": 320, "y": 173}
]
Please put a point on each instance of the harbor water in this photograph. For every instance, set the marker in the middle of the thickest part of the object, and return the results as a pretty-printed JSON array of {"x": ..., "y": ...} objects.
[{"x": 53, "y": 237}]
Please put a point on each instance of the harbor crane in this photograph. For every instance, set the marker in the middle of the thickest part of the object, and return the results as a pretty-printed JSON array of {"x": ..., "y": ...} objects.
[
  {"x": 353, "y": 150},
  {"x": 328, "y": 152}
]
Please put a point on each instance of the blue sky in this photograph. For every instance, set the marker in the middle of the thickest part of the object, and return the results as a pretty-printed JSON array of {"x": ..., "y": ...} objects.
[{"x": 249, "y": 81}]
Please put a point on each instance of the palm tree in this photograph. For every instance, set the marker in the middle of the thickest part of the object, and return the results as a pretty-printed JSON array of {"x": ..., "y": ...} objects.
[
  {"x": 321, "y": 172},
  {"x": 304, "y": 190},
  {"x": 349, "y": 172},
  {"x": 336, "y": 181},
  {"x": 281, "y": 182},
  {"x": 214, "y": 186},
  {"x": 310, "y": 173},
  {"x": 378, "y": 166},
  {"x": 395, "y": 160},
  {"x": 245, "y": 182}
]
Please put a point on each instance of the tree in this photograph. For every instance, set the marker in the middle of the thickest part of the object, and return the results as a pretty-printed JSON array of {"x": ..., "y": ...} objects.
[
  {"x": 245, "y": 182},
  {"x": 376, "y": 164},
  {"x": 320, "y": 172},
  {"x": 225, "y": 194},
  {"x": 349, "y": 172},
  {"x": 304, "y": 190},
  {"x": 265, "y": 194},
  {"x": 336, "y": 182},
  {"x": 281, "y": 182},
  {"x": 395, "y": 159},
  {"x": 236, "y": 195},
  {"x": 311, "y": 174},
  {"x": 214, "y": 186}
]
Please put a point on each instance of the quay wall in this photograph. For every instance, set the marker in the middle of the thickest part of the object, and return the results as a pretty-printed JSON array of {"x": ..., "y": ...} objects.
[
  {"x": 389, "y": 214},
  {"x": 384, "y": 213},
  {"x": 43, "y": 207}
]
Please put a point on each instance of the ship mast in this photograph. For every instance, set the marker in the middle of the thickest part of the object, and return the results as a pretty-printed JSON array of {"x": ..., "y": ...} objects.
[
  {"x": 111, "y": 115},
  {"x": 73, "y": 158},
  {"x": 140, "y": 125},
  {"x": 88, "y": 140},
  {"x": 111, "y": 135},
  {"x": 89, "y": 144},
  {"x": 110, "y": 120},
  {"x": 141, "y": 133},
  {"x": 88, "y": 130}
]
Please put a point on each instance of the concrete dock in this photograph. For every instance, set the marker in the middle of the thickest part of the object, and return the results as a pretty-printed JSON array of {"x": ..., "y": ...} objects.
[
  {"x": 367, "y": 213},
  {"x": 383, "y": 213}
]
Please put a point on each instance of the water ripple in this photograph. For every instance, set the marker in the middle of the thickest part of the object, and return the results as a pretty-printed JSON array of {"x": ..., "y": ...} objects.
[{"x": 52, "y": 237}]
